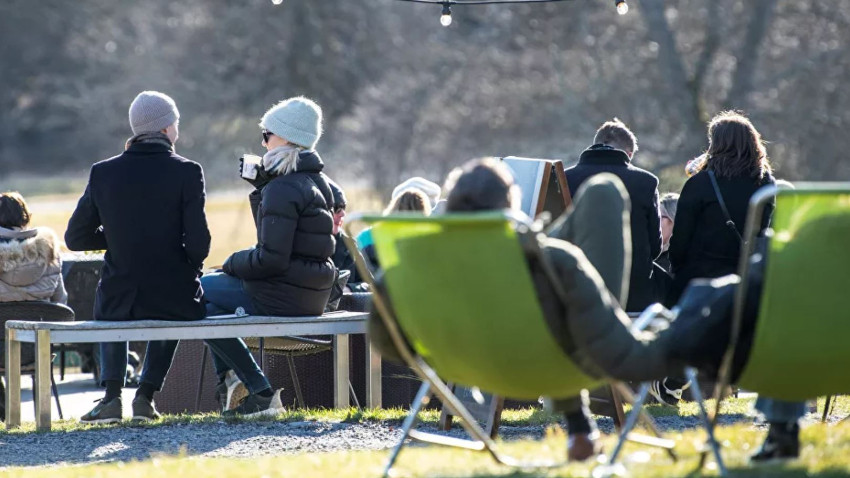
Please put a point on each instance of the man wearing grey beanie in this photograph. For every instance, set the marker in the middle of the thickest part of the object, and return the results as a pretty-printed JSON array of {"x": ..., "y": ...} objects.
[{"x": 145, "y": 207}]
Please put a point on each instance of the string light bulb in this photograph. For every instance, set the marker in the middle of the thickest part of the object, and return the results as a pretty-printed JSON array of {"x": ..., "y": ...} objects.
[
  {"x": 446, "y": 16},
  {"x": 622, "y": 6},
  {"x": 277, "y": 2}
]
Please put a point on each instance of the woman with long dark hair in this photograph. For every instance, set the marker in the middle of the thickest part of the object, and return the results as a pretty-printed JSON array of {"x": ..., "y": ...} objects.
[{"x": 712, "y": 210}]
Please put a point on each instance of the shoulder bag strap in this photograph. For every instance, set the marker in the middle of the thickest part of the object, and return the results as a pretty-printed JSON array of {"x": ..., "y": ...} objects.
[{"x": 729, "y": 221}]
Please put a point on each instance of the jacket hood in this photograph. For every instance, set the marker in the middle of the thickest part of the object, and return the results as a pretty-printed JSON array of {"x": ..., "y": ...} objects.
[
  {"x": 604, "y": 154},
  {"x": 24, "y": 261},
  {"x": 309, "y": 162}
]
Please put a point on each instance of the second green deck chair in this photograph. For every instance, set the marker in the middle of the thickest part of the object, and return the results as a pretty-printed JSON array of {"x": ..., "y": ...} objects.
[
  {"x": 462, "y": 296},
  {"x": 800, "y": 345}
]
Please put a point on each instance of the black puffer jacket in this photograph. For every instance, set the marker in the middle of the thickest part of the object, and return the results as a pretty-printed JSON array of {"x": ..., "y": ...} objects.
[{"x": 289, "y": 271}]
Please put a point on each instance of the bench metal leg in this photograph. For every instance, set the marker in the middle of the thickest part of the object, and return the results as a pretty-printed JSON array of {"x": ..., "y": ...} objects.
[
  {"x": 341, "y": 356},
  {"x": 43, "y": 364},
  {"x": 295, "y": 383},
  {"x": 13, "y": 380},
  {"x": 373, "y": 377},
  {"x": 55, "y": 390},
  {"x": 201, "y": 379}
]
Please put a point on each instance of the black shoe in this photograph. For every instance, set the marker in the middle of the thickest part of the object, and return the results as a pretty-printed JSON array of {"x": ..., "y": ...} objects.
[
  {"x": 668, "y": 391},
  {"x": 104, "y": 412},
  {"x": 255, "y": 405},
  {"x": 144, "y": 410},
  {"x": 782, "y": 443}
]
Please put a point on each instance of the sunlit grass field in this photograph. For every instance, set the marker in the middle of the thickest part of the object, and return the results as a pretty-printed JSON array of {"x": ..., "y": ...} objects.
[
  {"x": 825, "y": 451},
  {"x": 228, "y": 214}
]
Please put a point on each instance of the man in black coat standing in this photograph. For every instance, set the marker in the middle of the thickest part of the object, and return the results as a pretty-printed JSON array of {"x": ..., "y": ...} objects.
[
  {"x": 612, "y": 152},
  {"x": 145, "y": 208}
]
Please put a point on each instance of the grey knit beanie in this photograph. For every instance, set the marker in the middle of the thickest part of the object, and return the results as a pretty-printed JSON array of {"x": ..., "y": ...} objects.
[
  {"x": 297, "y": 120},
  {"x": 152, "y": 111}
]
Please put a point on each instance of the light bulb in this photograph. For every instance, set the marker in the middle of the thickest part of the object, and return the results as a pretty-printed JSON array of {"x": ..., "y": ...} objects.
[
  {"x": 445, "y": 20},
  {"x": 277, "y": 2},
  {"x": 622, "y": 7}
]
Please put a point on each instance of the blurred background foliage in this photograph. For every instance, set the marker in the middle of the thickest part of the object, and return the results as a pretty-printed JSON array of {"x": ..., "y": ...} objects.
[{"x": 403, "y": 95}]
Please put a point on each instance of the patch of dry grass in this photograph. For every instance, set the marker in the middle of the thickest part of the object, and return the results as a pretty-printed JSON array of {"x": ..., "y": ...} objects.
[{"x": 228, "y": 215}]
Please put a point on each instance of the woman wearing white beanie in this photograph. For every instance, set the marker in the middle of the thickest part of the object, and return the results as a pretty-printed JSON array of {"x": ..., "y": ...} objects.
[{"x": 289, "y": 271}]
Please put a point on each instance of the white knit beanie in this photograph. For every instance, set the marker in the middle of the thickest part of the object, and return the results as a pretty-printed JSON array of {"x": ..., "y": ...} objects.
[
  {"x": 297, "y": 120},
  {"x": 431, "y": 189},
  {"x": 151, "y": 112}
]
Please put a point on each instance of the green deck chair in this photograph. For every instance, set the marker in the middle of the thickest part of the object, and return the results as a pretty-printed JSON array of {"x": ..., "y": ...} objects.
[
  {"x": 463, "y": 297},
  {"x": 800, "y": 346}
]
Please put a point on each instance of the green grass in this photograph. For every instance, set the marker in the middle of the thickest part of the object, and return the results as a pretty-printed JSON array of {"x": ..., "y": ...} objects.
[
  {"x": 510, "y": 417},
  {"x": 825, "y": 453}
]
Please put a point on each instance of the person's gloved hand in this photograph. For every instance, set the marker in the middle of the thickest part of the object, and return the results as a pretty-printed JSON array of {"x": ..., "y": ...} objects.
[{"x": 263, "y": 177}]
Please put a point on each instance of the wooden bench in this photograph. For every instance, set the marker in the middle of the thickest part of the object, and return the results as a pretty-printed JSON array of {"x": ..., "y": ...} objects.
[{"x": 42, "y": 334}]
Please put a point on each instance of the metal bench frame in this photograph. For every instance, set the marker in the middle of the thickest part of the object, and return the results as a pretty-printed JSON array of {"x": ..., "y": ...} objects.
[{"x": 43, "y": 334}]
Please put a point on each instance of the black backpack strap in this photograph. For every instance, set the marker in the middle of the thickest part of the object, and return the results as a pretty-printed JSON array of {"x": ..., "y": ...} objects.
[{"x": 729, "y": 222}]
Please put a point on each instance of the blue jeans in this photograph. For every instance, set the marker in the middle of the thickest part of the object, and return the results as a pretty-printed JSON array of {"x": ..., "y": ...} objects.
[
  {"x": 779, "y": 411},
  {"x": 224, "y": 294}
]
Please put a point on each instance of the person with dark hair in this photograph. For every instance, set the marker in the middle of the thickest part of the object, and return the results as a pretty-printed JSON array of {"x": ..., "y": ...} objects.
[
  {"x": 712, "y": 208},
  {"x": 30, "y": 266},
  {"x": 342, "y": 256},
  {"x": 613, "y": 149},
  {"x": 145, "y": 208}
]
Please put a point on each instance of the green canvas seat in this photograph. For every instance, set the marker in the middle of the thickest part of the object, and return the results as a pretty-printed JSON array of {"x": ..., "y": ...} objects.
[
  {"x": 800, "y": 345},
  {"x": 464, "y": 310},
  {"x": 803, "y": 328},
  {"x": 487, "y": 328}
]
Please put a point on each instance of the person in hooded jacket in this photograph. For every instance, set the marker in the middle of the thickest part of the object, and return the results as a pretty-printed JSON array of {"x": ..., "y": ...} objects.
[
  {"x": 30, "y": 266},
  {"x": 289, "y": 271}
]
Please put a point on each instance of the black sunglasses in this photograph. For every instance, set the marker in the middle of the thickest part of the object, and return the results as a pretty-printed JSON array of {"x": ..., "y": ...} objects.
[{"x": 266, "y": 135}]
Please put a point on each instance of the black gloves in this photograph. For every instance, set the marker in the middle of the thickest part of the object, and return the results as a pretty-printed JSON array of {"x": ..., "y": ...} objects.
[{"x": 263, "y": 177}]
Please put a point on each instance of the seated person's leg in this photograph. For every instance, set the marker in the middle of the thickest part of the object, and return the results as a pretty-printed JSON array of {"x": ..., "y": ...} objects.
[
  {"x": 158, "y": 358},
  {"x": 783, "y": 436},
  {"x": 234, "y": 354},
  {"x": 580, "y": 426},
  {"x": 224, "y": 294},
  {"x": 598, "y": 224},
  {"x": 113, "y": 372}
]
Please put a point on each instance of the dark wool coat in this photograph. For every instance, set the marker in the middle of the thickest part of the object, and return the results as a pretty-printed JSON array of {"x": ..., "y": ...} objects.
[
  {"x": 702, "y": 244},
  {"x": 645, "y": 217},
  {"x": 145, "y": 207},
  {"x": 289, "y": 271}
]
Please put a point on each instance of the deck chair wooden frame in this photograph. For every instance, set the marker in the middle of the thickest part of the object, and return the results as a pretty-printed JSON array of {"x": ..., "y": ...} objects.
[
  {"x": 432, "y": 384},
  {"x": 758, "y": 203}
]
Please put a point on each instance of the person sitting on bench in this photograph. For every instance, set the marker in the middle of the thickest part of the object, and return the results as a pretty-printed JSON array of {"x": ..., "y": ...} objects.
[{"x": 145, "y": 208}]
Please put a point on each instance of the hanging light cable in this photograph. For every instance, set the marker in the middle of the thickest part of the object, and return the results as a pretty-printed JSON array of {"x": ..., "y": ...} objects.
[{"x": 446, "y": 15}]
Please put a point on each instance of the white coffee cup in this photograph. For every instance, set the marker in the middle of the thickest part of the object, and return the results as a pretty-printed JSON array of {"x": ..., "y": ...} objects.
[{"x": 250, "y": 163}]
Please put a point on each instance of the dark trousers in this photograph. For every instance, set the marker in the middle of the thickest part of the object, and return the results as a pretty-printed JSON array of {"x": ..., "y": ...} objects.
[{"x": 228, "y": 354}]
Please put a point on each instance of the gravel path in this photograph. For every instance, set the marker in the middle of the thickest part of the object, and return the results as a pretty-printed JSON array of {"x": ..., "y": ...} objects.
[{"x": 240, "y": 440}]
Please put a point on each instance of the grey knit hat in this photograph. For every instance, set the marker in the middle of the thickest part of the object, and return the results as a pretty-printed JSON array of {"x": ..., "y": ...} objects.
[
  {"x": 152, "y": 111},
  {"x": 297, "y": 120}
]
